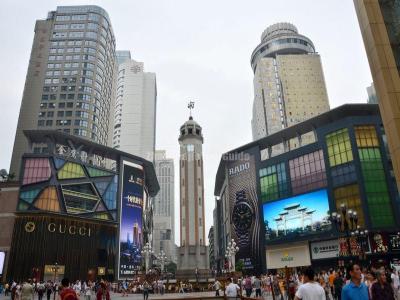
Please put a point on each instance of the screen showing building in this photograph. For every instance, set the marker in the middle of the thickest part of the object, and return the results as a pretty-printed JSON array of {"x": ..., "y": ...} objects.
[
  {"x": 130, "y": 234},
  {"x": 297, "y": 216},
  {"x": 2, "y": 258}
]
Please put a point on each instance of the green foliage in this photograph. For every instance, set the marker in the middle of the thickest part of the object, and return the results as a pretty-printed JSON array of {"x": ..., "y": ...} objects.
[
  {"x": 171, "y": 267},
  {"x": 239, "y": 265}
]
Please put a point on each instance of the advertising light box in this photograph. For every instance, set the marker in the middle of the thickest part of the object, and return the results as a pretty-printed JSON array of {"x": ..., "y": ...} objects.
[
  {"x": 131, "y": 229},
  {"x": 297, "y": 216},
  {"x": 2, "y": 259}
]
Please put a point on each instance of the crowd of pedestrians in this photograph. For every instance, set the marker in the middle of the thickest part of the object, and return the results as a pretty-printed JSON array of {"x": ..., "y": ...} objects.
[{"x": 352, "y": 283}]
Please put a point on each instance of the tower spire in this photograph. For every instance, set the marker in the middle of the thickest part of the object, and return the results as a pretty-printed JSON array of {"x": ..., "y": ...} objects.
[{"x": 190, "y": 106}]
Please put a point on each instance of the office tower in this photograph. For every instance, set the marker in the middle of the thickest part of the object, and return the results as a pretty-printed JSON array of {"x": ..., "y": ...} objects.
[
  {"x": 379, "y": 22},
  {"x": 372, "y": 98},
  {"x": 122, "y": 56},
  {"x": 289, "y": 84},
  {"x": 135, "y": 109},
  {"x": 70, "y": 80},
  {"x": 193, "y": 253},
  {"x": 164, "y": 216}
]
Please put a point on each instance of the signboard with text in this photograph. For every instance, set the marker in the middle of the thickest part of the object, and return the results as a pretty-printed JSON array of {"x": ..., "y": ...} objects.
[
  {"x": 325, "y": 249},
  {"x": 131, "y": 215}
]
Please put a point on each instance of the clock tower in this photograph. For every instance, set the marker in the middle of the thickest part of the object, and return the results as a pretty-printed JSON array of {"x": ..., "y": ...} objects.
[{"x": 193, "y": 253}]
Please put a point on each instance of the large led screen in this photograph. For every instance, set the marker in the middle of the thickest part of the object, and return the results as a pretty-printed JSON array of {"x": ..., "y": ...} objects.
[
  {"x": 130, "y": 232},
  {"x": 297, "y": 216}
]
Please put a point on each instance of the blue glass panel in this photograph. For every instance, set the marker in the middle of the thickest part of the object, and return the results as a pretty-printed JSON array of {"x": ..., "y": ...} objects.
[
  {"x": 29, "y": 196},
  {"x": 101, "y": 186},
  {"x": 110, "y": 196},
  {"x": 58, "y": 162}
]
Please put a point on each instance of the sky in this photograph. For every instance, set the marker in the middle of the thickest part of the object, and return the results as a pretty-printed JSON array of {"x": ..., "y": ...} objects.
[{"x": 200, "y": 51}]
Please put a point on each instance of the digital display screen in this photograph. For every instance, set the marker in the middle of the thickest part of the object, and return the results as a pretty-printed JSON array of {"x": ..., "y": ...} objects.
[
  {"x": 296, "y": 216},
  {"x": 131, "y": 229}
]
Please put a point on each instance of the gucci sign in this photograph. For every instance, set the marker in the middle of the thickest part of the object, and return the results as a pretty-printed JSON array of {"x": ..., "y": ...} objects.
[{"x": 61, "y": 228}]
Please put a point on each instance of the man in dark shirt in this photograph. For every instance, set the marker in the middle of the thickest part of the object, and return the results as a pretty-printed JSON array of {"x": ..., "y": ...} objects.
[{"x": 381, "y": 289}]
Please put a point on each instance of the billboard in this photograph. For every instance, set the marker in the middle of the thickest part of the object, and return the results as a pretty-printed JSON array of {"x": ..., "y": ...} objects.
[
  {"x": 2, "y": 259},
  {"x": 244, "y": 210},
  {"x": 325, "y": 249},
  {"x": 297, "y": 216},
  {"x": 131, "y": 219}
]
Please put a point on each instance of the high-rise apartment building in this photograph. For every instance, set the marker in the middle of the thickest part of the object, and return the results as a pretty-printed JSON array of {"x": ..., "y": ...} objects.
[
  {"x": 135, "y": 109},
  {"x": 193, "y": 252},
  {"x": 372, "y": 97},
  {"x": 289, "y": 84},
  {"x": 70, "y": 80},
  {"x": 380, "y": 27},
  {"x": 163, "y": 209}
]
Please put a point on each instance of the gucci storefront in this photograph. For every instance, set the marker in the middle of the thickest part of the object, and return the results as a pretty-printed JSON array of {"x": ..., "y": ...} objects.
[
  {"x": 80, "y": 248},
  {"x": 83, "y": 210}
]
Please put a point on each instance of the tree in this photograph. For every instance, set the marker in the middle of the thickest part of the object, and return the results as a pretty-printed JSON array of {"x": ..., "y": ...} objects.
[
  {"x": 171, "y": 267},
  {"x": 239, "y": 265}
]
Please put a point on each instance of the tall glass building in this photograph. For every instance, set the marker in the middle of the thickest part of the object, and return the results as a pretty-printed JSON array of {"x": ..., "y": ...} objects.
[{"x": 70, "y": 80}]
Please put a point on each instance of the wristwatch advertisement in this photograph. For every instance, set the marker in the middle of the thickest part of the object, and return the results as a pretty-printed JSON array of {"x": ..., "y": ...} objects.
[{"x": 242, "y": 219}]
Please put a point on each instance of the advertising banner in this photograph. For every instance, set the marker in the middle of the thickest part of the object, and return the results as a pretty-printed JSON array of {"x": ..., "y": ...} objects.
[
  {"x": 394, "y": 243},
  {"x": 244, "y": 210},
  {"x": 296, "y": 216},
  {"x": 131, "y": 215},
  {"x": 325, "y": 249},
  {"x": 2, "y": 259},
  {"x": 290, "y": 256}
]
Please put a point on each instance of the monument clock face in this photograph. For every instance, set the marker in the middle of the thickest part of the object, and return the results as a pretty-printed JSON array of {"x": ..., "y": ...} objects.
[{"x": 242, "y": 216}]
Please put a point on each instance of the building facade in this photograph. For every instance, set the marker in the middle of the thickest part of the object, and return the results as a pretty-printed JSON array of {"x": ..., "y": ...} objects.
[
  {"x": 164, "y": 208},
  {"x": 135, "y": 109},
  {"x": 372, "y": 97},
  {"x": 70, "y": 80},
  {"x": 211, "y": 246},
  {"x": 289, "y": 84},
  {"x": 379, "y": 23},
  {"x": 193, "y": 253},
  {"x": 75, "y": 213},
  {"x": 345, "y": 171}
]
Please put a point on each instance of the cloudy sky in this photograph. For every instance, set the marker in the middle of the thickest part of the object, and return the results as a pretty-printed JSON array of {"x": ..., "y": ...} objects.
[{"x": 199, "y": 50}]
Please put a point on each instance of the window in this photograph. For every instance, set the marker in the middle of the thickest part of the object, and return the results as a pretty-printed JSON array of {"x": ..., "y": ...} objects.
[
  {"x": 274, "y": 183},
  {"x": 36, "y": 170},
  {"x": 40, "y": 123},
  {"x": 366, "y": 136},
  {"x": 350, "y": 196},
  {"x": 378, "y": 199},
  {"x": 339, "y": 147},
  {"x": 49, "y": 122},
  {"x": 78, "y": 17},
  {"x": 343, "y": 174},
  {"x": 71, "y": 170},
  {"x": 94, "y": 17},
  {"x": 78, "y": 26},
  {"x": 307, "y": 172},
  {"x": 50, "y": 114},
  {"x": 58, "y": 35},
  {"x": 48, "y": 200},
  {"x": 61, "y": 26},
  {"x": 81, "y": 132},
  {"x": 63, "y": 18}
]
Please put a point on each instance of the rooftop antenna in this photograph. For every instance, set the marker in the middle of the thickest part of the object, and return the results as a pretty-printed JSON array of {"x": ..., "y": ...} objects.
[{"x": 190, "y": 106}]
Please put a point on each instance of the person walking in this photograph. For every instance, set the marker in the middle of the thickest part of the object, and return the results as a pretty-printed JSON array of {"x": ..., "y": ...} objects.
[
  {"x": 395, "y": 283},
  {"x": 381, "y": 289},
  {"x": 310, "y": 289},
  {"x": 49, "y": 289},
  {"x": 40, "y": 290},
  {"x": 248, "y": 286},
  {"x": 231, "y": 290},
  {"x": 102, "y": 293},
  {"x": 257, "y": 286},
  {"x": 87, "y": 290},
  {"x": 66, "y": 293},
  {"x": 337, "y": 286},
  {"x": 27, "y": 291},
  {"x": 355, "y": 290},
  {"x": 216, "y": 287},
  {"x": 146, "y": 287}
]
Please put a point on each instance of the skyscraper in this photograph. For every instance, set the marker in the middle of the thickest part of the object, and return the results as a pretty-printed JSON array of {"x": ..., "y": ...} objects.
[
  {"x": 70, "y": 80},
  {"x": 193, "y": 253},
  {"x": 289, "y": 84},
  {"x": 135, "y": 108},
  {"x": 164, "y": 216},
  {"x": 379, "y": 22}
]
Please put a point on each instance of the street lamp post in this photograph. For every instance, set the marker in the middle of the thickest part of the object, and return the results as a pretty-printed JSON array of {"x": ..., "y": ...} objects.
[
  {"x": 162, "y": 257},
  {"x": 345, "y": 221},
  {"x": 230, "y": 255},
  {"x": 361, "y": 236},
  {"x": 147, "y": 252}
]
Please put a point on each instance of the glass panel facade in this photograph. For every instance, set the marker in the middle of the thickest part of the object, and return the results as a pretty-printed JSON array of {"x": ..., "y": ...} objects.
[
  {"x": 343, "y": 174},
  {"x": 274, "y": 183},
  {"x": 48, "y": 200},
  {"x": 350, "y": 195},
  {"x": 36, "y": 170},
  {"x": 80, "y": 198},
  {"x": 93, "y": 172},
  {"x": 58, "y": 162},
  {"x": 29, "y": 196},
  {"x": 102, "y": 216},
  {"x": 378, "y": 198},
  {"x": 339, "y": 147},
  {"x": 71, "y": 170},
  {"x": 22, "y": 205},
  {"x": 366, "y": 136},
  {"x": 110, "y": 196},
  {"x": 102, "y": 186},
  {"x": 307, "y": 172}
]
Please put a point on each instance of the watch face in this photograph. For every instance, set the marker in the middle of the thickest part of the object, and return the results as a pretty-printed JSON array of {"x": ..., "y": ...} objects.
[{"x": 242, "y": 216}]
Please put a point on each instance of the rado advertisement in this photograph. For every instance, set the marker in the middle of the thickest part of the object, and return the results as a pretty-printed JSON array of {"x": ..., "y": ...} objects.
[{"x": 244, "y": 210}]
